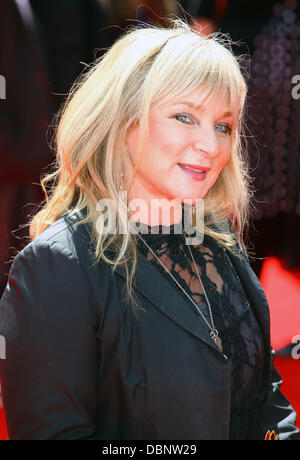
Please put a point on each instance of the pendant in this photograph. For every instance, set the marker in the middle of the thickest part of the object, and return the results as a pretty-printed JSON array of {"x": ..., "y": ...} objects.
[
  {"x": 217, "y": 339},
  {"x": 218, "y": 342}
]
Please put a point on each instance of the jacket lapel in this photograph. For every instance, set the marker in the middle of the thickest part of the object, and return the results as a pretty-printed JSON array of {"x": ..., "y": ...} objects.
[{"x": 165, "y": 297}]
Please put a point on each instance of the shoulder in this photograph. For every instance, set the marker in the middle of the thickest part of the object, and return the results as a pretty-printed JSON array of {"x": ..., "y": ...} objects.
[
  {"x": 56, "y": 269},
  {"x": 63, "y": 240},
  {"x": 65, "y": 235},
  {"x": 59, "y": 248},
  {"x": 61, "y": 255}
]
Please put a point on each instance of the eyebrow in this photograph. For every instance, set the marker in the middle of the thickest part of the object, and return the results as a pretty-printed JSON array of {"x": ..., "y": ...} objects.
[{"x": 200, "y": 107}]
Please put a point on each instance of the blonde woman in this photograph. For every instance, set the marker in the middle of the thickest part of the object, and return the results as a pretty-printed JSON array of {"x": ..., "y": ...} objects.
[{"x": 125, "y": 323}]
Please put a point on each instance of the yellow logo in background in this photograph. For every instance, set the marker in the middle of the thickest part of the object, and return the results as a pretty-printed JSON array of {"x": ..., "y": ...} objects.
[{"x": 271, "y": 436}]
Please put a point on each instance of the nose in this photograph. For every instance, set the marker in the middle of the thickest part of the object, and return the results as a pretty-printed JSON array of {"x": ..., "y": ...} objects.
[{"x": 206, "y": 142}]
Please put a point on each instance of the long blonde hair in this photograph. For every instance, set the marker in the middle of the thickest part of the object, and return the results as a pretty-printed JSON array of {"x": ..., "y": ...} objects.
[{"x": 145, "y": 66}]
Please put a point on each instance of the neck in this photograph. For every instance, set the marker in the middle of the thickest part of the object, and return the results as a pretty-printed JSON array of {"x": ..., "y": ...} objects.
[{"x": 159, "y": 216}]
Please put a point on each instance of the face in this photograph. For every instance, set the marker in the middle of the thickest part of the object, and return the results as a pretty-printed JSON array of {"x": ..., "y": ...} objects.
[{"x": 188, "y": 146}]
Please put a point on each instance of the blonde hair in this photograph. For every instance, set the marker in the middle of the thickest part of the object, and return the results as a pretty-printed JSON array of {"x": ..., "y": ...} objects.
[{"x": 145, "y": 66}]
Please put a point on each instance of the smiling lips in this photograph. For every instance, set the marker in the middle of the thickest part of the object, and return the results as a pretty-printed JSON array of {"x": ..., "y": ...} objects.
[
  {"x": 197, "y": 172},
  {"x": 194, "y": 167}
]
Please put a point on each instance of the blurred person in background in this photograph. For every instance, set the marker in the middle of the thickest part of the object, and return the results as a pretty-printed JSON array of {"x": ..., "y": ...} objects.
[
  {"x": 74, "y": 33},
  {"x": 24, "y": 117}
]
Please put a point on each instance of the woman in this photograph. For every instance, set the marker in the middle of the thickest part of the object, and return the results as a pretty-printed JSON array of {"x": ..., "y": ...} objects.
[{"x": 123, "y": 334}]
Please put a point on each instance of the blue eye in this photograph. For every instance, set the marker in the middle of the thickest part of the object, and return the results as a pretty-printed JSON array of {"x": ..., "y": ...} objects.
[
  {"x": 180, "y": 116},
  {"x": 225, "y": 129}
]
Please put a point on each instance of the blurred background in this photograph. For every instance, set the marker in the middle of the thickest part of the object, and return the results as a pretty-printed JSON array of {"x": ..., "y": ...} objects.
[{"x": 45, "y": 45}]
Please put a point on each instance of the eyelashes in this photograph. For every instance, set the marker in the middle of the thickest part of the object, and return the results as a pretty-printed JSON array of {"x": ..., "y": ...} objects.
[
  {"x": 177, "y": 117},
  {"x": 226, "y": 129}
]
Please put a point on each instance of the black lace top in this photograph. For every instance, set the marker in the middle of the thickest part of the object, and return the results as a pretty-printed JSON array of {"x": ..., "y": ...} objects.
[{"x": 233, "y": 317}]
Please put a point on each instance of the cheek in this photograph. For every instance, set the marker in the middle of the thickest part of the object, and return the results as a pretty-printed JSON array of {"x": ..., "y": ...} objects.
[
  {"x": 164, "y": 140},
  {"x": 158, "y": 137},
  {"x": 156, "y": 142}
]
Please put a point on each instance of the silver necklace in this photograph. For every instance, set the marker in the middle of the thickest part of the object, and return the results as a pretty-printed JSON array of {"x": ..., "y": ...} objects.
[{"x": 213, "y": 331}]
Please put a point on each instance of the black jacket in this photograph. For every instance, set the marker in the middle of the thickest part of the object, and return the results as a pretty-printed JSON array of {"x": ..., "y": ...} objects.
[{"x": 79, "y": 366}]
